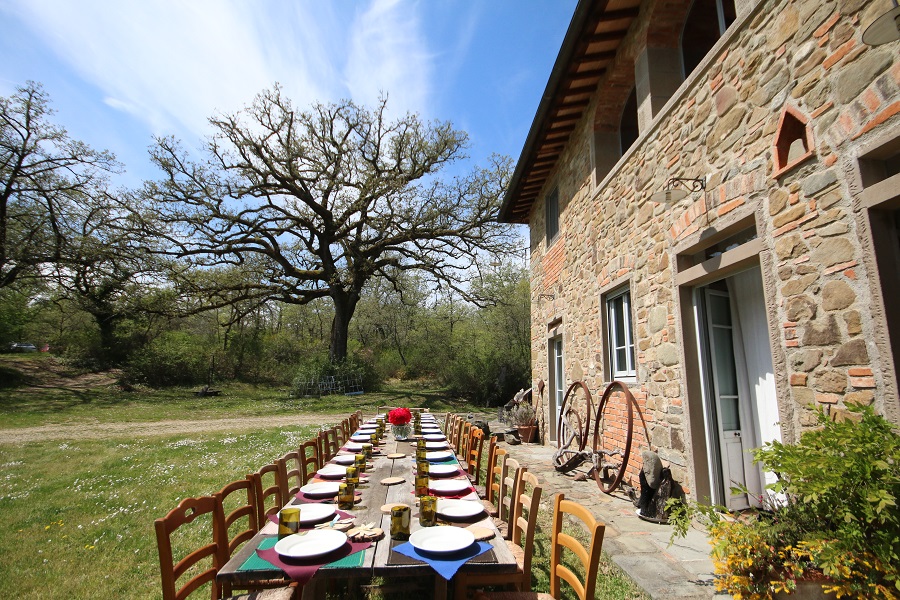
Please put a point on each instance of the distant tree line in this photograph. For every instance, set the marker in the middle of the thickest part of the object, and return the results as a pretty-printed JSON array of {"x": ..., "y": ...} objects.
[{"x": 298, "y": 238}]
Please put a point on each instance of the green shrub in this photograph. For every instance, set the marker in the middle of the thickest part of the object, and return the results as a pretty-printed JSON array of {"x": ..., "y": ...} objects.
[
  {"x": 174, "y": 358},
  {"x": 318, "y": 376},
  {"x": 833, "y": 513}
]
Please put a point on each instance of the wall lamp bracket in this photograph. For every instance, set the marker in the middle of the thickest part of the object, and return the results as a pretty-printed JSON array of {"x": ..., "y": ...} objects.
[{"x": 678, "y": 188}]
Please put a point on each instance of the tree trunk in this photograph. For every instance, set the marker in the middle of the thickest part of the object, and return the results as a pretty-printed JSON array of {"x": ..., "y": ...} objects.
[
  {"x": 344, "y": 307},
  {"x": 106, "y": 324}
]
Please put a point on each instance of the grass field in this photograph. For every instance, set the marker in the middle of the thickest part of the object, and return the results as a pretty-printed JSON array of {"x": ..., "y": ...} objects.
[{"x": 76, "y": 515}]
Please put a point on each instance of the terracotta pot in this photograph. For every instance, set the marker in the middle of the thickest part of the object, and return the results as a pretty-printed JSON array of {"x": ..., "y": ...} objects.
[{"x": 526, "y": 432}]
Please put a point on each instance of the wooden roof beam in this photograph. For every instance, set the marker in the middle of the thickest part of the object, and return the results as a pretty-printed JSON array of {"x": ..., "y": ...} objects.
[{"x": 607, "y": 36}]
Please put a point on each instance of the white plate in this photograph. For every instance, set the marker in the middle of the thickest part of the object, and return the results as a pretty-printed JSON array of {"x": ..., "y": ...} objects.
[
  {"x": 366, "y": 430},
  {"x": 313, "y": 513},
  {"x": 435, "y": 437},
  {"x": 438, "y": 456},
  {"x": 352, "y": 446},
  {"x": 324, "y": 489},
  {"x": 459, "y": 509},
  {"x": 448, "y": 486},
  {"x": 344, "y": 459},
  {"x": 435, "y": 445},
  {"x": 442, "y": 539},
  {"x": 312, "y": 543},
  {"x": 442, "y": 470},
  {"x": 361, "y": 438},
  {"x": 332, "y": 472}
]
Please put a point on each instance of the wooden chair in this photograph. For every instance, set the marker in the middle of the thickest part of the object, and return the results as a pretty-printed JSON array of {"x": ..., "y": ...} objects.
[
  {"x": 234, "y": 494},
  {"x": 492, "y": 450},
  {"x": 447, "y": 423},
  {"x": 328, "y": 444},
  {"x": 309, "y": 460},
  {"x": 290, "y": 475},
  {"x": 202, "y": 563},
  {"x": 509, "y": 491},
  {"x": 384, "y": 410},
  {"x": 462, "y": 441},
  {"x": 268, "y": 491},
  {"x": 354, "y": 422},
  {"x": 589, "y": 557},
  {"x": 522, "y": 544},
  {"x": 473, "y": 455},
  {"x": 344, "y": 432},
  {"x": 494, "y": 482}
]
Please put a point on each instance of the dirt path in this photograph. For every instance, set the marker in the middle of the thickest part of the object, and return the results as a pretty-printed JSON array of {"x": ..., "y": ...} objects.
[{"x": 101, "y": 431}]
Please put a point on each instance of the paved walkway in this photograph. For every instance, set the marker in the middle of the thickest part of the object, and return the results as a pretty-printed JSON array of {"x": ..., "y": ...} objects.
[{"x": 641, "y": 549}]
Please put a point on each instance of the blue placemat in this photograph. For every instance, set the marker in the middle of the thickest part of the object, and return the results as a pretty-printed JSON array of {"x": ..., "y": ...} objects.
[{"x": 445, "y": 565}]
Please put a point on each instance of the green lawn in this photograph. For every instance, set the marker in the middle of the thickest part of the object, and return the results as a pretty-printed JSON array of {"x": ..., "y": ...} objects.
[
  {"x": 109, "y": 404},
  {"x": 76, "y": 516}
]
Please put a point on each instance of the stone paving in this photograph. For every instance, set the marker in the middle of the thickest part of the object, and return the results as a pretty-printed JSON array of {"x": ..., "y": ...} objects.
[{"x": 641, "y": 549}]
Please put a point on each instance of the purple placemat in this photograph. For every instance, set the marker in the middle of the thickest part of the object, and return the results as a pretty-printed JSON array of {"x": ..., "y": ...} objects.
[{"x": 302, "y": 571}]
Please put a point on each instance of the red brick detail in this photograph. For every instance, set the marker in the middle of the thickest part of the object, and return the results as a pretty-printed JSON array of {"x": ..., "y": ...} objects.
[
  {"x": 792, "y": 343},
  {"x": 730, "y": 206},
  {"x": 552, "y": 262},
  {"x": 798, "y": 379},
  {"x": 880, "y": 118},
  {"x": 818, "y": 112},
  {"x": 841, "y": 267},
  {"x": 830, "y": 160},
  {"x": 862, "y": 382},
  {"x": 827, "y": 398},
  {"x": 840, "y": 53},
  {"x": 859, "y": 372},
  {"x": 850, "y": 274},
  {"x": 823, "y": 29}
]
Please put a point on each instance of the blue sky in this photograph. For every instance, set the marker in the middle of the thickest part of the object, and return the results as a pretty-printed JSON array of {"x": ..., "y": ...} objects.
[{"x": 121, "y": 71}]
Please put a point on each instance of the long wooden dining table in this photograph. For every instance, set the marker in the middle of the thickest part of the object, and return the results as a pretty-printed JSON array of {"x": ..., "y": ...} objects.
[{"x": 246, "y": 570}]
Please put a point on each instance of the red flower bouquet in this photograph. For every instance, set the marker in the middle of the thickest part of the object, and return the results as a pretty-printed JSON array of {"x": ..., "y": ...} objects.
[{"x": 400, "y": 416}]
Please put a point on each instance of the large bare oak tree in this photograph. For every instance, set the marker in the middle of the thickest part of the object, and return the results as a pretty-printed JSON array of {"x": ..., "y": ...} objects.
[
  {"x": 43, "y": 174},
  {"x": 315, "y": 203}
]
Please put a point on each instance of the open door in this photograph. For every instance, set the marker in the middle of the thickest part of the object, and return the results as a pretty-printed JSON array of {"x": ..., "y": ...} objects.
[
  {"x": 737, "y": 378},
  {"x": 557, "y": 383}
]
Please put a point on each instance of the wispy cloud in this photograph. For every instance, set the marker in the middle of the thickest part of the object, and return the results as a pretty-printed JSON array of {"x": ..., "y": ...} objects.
[
  {"x": 172, "y": 64},
  {"x": 388, "y": 53}
]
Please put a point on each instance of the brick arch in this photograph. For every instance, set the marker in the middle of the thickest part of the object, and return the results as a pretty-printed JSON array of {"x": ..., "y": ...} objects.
[{"x": 659, "y": 25}]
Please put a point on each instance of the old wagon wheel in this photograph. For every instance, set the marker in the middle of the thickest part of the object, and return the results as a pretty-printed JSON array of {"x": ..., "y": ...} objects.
[
  {"x": 572, "y": 427},
  {"x": 607, "y": 473}
]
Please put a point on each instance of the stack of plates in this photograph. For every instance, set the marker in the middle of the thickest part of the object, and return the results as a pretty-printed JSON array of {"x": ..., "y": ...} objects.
[
  {"x": 314, "y": 513},
  {"x": 448, "y": 486},
  {"x": 442, "y": 470},
  {"x": 459, "y": 509},
  {"x": 332, "y": 472},
  {"x": 317, "y": 542},
  {"x": 324, "y": 489},
  {"x": 442, "y": 539}
]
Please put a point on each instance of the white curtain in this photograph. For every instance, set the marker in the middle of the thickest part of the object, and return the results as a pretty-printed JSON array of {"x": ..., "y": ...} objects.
[{"x": 749, "y": 311}]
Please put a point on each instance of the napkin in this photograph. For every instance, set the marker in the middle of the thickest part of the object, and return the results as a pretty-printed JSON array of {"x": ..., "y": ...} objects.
[
  {"x": 302, "y": 571},
  {"x": 341, "y": 515},
  {"x": 446, "y": 565}
]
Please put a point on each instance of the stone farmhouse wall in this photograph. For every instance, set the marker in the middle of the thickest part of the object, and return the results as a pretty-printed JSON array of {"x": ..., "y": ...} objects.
[{"x": 801, "y": 56}]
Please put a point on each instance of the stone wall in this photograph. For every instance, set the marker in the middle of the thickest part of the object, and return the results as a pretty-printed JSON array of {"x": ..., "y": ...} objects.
[{"x": 722, "y": 124}]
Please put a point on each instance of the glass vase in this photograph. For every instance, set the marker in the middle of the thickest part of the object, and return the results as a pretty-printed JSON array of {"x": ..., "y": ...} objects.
[{"x": 401, "y": 432}]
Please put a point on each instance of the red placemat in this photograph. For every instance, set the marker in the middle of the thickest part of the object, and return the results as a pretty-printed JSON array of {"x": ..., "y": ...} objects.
[{"x": 302, "y": 571}]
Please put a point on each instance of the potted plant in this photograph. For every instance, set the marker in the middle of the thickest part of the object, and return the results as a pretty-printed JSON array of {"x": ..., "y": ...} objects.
[
  {"x": 522, "y": 415},
  {"x": 830, "y": 521}
]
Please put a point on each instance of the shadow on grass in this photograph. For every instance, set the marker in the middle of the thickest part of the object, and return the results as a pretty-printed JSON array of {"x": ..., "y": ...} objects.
[{"x": 12, "y": 378}]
